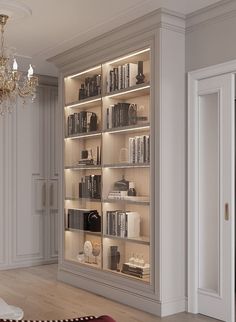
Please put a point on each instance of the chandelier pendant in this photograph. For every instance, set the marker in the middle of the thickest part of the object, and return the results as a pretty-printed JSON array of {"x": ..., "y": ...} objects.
[{"x": 12, "y": 82}]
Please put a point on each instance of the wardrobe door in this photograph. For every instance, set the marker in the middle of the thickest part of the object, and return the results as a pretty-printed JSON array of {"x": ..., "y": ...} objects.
[
  {"x": 211, "y": 198},
  {"x": 28, "y": 182}
]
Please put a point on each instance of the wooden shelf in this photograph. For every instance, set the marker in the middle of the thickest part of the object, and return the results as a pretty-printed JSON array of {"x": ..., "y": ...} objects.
[
  {"x": 145, "y": 279},
  {"x": 85, "y": 232},
  {"x": 141, "y": 240},
  {"x": 128, "y": 201},
  {"x": 130, "y": 92},
  {"x": 82, "y": 199},
  {"x": 85, "y": 103},
  {"x": 126, "y": 165},
  {"x": 83, "y": 167},
  {"x": 130, "y": 128},
  {"x": 86, "y": 135}
]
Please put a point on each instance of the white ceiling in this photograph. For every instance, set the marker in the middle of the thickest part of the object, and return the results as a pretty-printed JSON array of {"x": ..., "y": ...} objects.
[{"x": 57, "y": 25}]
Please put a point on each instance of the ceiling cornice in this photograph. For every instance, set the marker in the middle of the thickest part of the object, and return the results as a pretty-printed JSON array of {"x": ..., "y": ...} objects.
[
  {"x": 222, "y": 10},
  {"x": 161, "y": 18}
]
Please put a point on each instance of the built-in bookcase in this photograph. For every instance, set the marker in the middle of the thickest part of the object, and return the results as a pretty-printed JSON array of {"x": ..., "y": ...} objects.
[
  {"x": 107, "y": 153},
  {"x": 123, "y": 125}
]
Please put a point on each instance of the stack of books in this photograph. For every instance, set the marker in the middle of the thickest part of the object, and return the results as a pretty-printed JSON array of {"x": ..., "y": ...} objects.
[
  {"x": 139, "y": 149},
  {"x": 137, "y": 271},
  {"x": 90, "y": 187},
  {"x": 121, "y": 114},
  {"x": 81, "y": 122},
  {"x": 124, "y": 224},
  {"x": 122, "y": 76}
]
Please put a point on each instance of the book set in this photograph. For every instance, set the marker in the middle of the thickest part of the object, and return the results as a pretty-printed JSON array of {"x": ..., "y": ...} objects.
[
  {"x": 90, "y": 187},
  {"x": 124, "y": 76},
  {"x": 91, "y": 87},
  {"x": 82, "y": 122},
  {"x": 124, "y": 224},
  {"x": 139, "y": 149}
]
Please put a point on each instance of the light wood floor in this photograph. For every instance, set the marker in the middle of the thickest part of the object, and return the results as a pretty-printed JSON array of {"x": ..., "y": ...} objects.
[{"x": 37, "y": 291}]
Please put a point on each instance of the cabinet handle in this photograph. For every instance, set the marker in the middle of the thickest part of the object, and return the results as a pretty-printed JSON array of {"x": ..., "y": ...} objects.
[
  {"x": 226, "y": 211},
  {"x": 44, "y": 195},
  {"x": 51, "y": 195}
]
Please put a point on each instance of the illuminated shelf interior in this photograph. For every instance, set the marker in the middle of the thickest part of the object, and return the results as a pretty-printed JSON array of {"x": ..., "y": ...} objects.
[
  {"x": 83, "y": 135},
  {"x": 84, "y": 103},
  {"x": 130, "y": 92},
  {"x": 130, "y": 128}
]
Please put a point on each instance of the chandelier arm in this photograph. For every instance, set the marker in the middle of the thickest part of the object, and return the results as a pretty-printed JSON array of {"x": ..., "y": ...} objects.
[{"x": 11, "y": 86}]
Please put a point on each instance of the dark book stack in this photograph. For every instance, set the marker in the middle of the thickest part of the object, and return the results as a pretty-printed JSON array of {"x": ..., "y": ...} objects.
[
  {"x": 122, "y": 76},
  {"x": 124, "y": 224},
  {"x": 81, "y": 122},
  {"x": 139, "y": 149},
  {"x": 90, "y": 187},
  {"x": 84, "y": 219},
  {"x": 137, "y": 271},
  {"x": 91, "y": 87},
  {"x": 121, "y": 114}
]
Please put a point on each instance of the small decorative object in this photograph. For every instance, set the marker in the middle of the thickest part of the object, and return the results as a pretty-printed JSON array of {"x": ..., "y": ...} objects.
[
  {"x": 94, "y": 221},
  {"x": 140, "y": 77},
  {"x": 121, "y": 185},
  {"x": 87, "y": 157},
  {"x": 132, "y": 191},
  {"x": 93, "y": 124},
  {"x": 80, "y": 257},
  {"x": 115, "y": 258},
  {"x": 88, "y": 250},
  {"x": 131, "y": 259},
  {"x": 82, "y": 92},
  {"x": 132, "y": 114},
  {"x": 96, "y": 251}
]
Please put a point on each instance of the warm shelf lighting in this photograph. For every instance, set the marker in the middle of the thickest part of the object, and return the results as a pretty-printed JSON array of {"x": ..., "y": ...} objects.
[
  {"x": 82, "y": 136},
  {"x": 133, "y": 129},
  {"x": 129, "y": 91},
  {"x": 83, "y": 103},
  {"x": 84, "y": 72},
  {"x": 11, "y": 85},
  {"x": 128, "y": 56}
]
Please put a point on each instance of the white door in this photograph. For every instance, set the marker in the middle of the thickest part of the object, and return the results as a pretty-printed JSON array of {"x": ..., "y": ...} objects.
[{"x": 211, "y": 197}]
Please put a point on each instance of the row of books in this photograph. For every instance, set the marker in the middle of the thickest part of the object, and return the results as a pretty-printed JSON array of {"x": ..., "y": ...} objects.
[
  {"x": 122, "y": 76},
  {"x": 121, "y": 114},
  {"x": 90, "y": 187},
  {"x": 81, "y": 122},
  {"x": 136, "y": 270},
  {"x": 139, "y": 149},
  {"x": 90, "y": 87},
  {"x": 125, "y": 224}
]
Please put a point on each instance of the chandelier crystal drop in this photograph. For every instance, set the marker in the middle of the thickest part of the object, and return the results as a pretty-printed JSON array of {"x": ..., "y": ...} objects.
[{"x": 12, "y": 82}]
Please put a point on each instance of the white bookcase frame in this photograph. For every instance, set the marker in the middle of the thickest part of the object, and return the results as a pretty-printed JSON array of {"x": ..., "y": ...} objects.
[{"x": 164, "y": 33}]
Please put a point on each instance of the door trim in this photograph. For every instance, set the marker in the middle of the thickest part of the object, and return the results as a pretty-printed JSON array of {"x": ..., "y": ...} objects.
[{"x": 192, "y": 207}]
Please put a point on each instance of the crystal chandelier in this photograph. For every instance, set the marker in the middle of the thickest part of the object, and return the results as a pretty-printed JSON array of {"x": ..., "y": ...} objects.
[{"x": 12, "y": 84}]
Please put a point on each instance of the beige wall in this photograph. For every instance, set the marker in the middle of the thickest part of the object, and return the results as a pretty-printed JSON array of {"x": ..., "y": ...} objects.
[{"x": 212, "y": 42}]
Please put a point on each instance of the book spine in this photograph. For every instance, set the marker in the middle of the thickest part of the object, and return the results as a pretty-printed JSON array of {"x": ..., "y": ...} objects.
[
  {"x": 119, "y": 77},
  {"x": 133, "y": 72},
  {"x": 123, "y": 76}
]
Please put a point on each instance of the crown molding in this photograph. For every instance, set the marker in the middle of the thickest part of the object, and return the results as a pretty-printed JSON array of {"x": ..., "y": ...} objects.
[
  {"x": 222, "y": 10},
  {"x": 45, "y": 80},
  {"x": 160, "y": 18}
]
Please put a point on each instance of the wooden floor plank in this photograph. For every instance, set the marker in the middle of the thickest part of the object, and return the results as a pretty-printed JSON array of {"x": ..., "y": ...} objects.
[{"x": 37, "y": 291}]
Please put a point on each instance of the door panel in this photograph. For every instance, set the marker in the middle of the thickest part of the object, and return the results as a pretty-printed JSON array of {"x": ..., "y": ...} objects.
[{"x": 211, "y": 198}]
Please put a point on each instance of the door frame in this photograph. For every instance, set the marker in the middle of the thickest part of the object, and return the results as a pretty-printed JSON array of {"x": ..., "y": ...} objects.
[{"x": 192, "y": 250}]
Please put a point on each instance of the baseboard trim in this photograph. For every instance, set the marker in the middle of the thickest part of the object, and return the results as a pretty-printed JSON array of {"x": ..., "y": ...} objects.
[
  {"x": 28, "y": 264},
  {"x": 173, "y": 307},
  {"x": 137, "y": 301}
]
